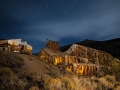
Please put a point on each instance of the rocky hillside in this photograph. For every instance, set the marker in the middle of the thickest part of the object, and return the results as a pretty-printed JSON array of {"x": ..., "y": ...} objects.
[
  {"x": 29, "y": 72},
  {"x": 20, "y": 71},
  {"x": 110, "y": 46}
]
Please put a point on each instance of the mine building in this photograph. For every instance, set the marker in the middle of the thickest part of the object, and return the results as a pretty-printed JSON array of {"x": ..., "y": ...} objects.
[
  {"x": 95, "y": 56},
  {"x": 15, "y": 45},
  {"x": 76, "y": 58}
]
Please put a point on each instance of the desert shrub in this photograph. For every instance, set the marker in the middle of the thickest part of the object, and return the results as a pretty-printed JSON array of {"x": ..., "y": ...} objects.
[
  {"x": 68, "y": 83},
  {"x": 5, "y": 71},
  {"x": 107, "y": 82},
  {"x": 5, "y": 75},
  {"x": 93, "y": 78},
  {"x": 85, "y": 82},
  {"x": 14, "y": 62},
  {"x": 46, "y": 76},
  {"x": 72, "y": 82},
  {"x": 52, "y": 84},
  {"x": 19, "y": 58},
  {"x": 117, "y": 88},
  {"x": 82, "y": 83},
  {"x": 62, "y": 83},
  {"x": 36, "y": 56},
  {"x": 103, "y": 83},
  {"x": 2, "y": 61},
  {"x": 13, "y": 85},
  {"x": 78, "y": 83},
  {"x": 54, "y": 71},
  {"x": 110, "y": 78},
  {"x": 115, "y": 66},
  {"x": 33, "y": 88},
  {"x": 25, "y": 51},
  {"x": 118, "y": 76}
]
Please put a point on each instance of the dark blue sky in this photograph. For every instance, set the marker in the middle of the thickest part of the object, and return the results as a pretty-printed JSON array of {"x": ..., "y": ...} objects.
[{"x": 65, "y": 21}]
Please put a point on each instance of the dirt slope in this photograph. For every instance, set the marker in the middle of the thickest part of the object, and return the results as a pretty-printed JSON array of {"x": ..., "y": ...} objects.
[
  {"x": 34, "y": 65},
  {"x": 31, "y": 63}
]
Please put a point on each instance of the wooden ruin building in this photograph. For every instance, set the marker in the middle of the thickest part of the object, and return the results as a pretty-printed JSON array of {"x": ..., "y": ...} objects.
[
  {"x": 77, "y": 58},
  {"x": 15, "y": 45}
]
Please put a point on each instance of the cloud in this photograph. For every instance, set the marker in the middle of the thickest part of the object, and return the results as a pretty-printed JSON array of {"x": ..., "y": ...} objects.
[
  {"x": 99, "y": 20},
  {"x": 96, "y": 20},
  {"x": 101, "y": 27}
]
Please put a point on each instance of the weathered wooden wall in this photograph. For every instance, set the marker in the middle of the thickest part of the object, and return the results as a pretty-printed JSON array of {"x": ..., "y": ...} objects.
[
  {"x": 84, "y": 69},
  {"x": 14, "y": 41},
  {"x": 52, "y": 45},
  {"x": 73, "y": 59},
  {"x": 91, "y": 54},
  {"x": 53, "y": 59},
  {"x": 3, "y": 42}
]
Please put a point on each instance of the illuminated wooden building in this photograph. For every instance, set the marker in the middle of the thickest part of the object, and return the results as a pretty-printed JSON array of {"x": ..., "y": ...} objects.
[
  {"x": 3, "y": 45},
  {"x": 51, "y": 53},
  {"x": 77, "y": 62},
  {"x": 93, "y": 55},
  {"x": 52, "y": 57},
  {"x": 14, "y": 45}
]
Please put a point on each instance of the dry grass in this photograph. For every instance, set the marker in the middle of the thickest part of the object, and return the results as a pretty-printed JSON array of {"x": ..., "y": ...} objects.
[
  {"x": 5, "y": 71},
  {"x": 29, "y": 52},
  {"x": 42, "y": 76},
  {"x": 117, "y": 88}
]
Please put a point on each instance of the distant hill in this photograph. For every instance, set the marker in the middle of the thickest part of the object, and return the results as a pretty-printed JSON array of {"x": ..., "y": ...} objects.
[{"x": 110, "y": 46}]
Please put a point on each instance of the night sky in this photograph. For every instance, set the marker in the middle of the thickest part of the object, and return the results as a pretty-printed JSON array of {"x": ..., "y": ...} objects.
[{"x": 64, "y": 21}]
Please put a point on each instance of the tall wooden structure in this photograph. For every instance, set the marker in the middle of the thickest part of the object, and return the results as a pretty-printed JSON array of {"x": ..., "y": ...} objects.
[{"x": 52, "y": 45}]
